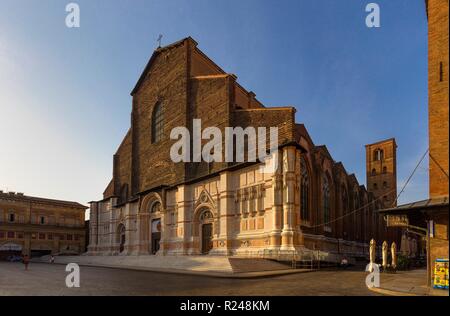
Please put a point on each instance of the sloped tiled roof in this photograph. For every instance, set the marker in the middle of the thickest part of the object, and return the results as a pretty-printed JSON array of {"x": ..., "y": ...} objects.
[
  {"x": 418, "y": 205},
  {"x": 25, "y": 198}
]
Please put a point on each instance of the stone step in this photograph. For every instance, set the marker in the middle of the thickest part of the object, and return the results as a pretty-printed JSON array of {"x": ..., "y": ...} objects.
[
  {"x": 243, "y": 265},
  {"x": 190, "y": 263}
]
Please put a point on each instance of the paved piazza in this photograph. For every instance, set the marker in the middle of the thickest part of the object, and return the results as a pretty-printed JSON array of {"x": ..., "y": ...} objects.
[{"x": 46, "y": 279}]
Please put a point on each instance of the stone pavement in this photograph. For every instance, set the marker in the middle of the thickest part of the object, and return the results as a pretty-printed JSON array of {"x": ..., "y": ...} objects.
[
  {"x": 214, "y": 266},
  {"x": 49, "y": 279},
  {"x": 407, "y": 283}
]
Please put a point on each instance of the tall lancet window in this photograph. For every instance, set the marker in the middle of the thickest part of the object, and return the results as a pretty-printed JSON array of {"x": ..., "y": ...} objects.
[
  {"x": 304, "y": 191},
  {"x": 326, "y": 200},
  {"x": 157, "y": 122}
]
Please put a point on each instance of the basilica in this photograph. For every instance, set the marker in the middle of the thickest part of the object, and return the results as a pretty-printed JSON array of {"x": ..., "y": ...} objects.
[{"x": 155, "y": 206}]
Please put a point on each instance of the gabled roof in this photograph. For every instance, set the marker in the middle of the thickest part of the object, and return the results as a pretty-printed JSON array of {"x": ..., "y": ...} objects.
[
  {"x": 323, "y": 149},
  {"x": 340, "y": 166},
  {"x": 301, "y": 131},
  {"x": 362, "y": 187},
  {"x": 153, "y": 57},
  {"x": 352, "y": 177}
]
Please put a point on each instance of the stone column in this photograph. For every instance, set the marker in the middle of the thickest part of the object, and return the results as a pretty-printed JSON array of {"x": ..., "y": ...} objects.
[
  {"x": 163, "y": 247},
  {"x": 55, "y": 243},
  {"x": 110, "y": 218},
  {"x": 93, "y": 229},
  {"x": 129, "y": 231},
  {"x": 27, "y": 244},
  {"x": 184, "y": 217},
  {"x": 227, "y": 212},
  {"x": 143, "y": 225},
  {"x": 277, "y": 205},
  {"x": 298, "y": 236},
  {"x": 112, "y": 222},
  {"x": 287, "y": 234},
  {"x": 82, "y": 244}
]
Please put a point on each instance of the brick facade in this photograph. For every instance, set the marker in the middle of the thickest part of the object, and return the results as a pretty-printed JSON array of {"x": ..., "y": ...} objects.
[
  {"x": 251, "y": 213},
  {"x": 437, "y": 11}
]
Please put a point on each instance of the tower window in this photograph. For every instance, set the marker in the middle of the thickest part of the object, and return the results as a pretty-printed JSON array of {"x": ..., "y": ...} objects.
[
  {"x": 384, "y": 169},
  {"x": 385, "y": 184},
  {"x": 441, "y": 72},
  {"x": 378, "y": 155},
  {"x": 375, "y": 186},
  {"x": 374, "y": 171},
  {"x": 157, "y": 123}
]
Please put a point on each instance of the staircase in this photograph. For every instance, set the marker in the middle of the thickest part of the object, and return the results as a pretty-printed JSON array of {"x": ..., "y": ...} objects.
[{"x": 242, "y": 265}]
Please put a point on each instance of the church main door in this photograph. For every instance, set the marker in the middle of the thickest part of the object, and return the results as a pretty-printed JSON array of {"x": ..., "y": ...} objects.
[
  {"x": 121, "y": 237},
  {"x": 156, "y": 235},
  {"x": 206, "y": 238}
]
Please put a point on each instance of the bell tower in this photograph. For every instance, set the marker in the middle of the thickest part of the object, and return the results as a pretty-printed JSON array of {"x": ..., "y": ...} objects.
[{"x": 381, "y": 171}]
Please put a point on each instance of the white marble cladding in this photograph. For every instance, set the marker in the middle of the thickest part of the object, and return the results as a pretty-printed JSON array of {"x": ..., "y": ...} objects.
[{"x": 251, "y": 214}]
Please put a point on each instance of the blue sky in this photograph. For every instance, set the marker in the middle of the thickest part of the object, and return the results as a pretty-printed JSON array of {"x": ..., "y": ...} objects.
[{"x": 65, "y": 93}]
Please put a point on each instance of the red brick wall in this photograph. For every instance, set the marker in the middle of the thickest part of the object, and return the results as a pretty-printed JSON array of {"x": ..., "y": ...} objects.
[
  {"x": 166, "y": 82},
  {"x": 438, "y": 95}
]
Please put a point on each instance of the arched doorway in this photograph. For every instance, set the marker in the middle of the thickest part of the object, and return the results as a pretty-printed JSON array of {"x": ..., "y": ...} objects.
[
  {"x": 121, "y": 237},
  {"x": 206, "y": 223},
  {"x": 155, "y": 228},
  {"x": 156, "y": 235}
]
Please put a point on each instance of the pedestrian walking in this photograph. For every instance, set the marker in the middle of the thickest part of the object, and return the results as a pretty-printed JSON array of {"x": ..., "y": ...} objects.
[
  {"x": 26, "y": 261},
  {"x": 52, "y": 259}
]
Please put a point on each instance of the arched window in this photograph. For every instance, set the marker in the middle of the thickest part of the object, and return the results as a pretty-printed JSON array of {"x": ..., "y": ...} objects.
[
  {"x": 326, "y": 200},
  {"x": 345, "y": 210},
  {"x": 378, "y": 155},
  {"x": 375, "y": 186},
  {"x": 157, "y": 123},
  {"x": 385, "y": 184},
  {"x": 304, "y": 191},
  {"x": 344, "y": 201},
  {"x": 355, "y": 200},
  {"x": 374, "y": 171},
  {"x": 384, "y": 169},
  {"x": 156, "y": 207}
]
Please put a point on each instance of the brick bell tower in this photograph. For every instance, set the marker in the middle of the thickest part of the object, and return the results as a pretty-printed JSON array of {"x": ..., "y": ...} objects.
[{"x": 381, "y": 171}]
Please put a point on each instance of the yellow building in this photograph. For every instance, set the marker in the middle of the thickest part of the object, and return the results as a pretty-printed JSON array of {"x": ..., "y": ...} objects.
[{"x": 39, "y": 226}]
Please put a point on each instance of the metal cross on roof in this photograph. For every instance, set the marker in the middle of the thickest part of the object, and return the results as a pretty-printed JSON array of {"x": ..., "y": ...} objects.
[{"x": 159, "y": 40}]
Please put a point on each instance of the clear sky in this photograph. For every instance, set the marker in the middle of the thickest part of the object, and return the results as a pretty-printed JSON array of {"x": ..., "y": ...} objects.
[{"x": 65, "y": 93}]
